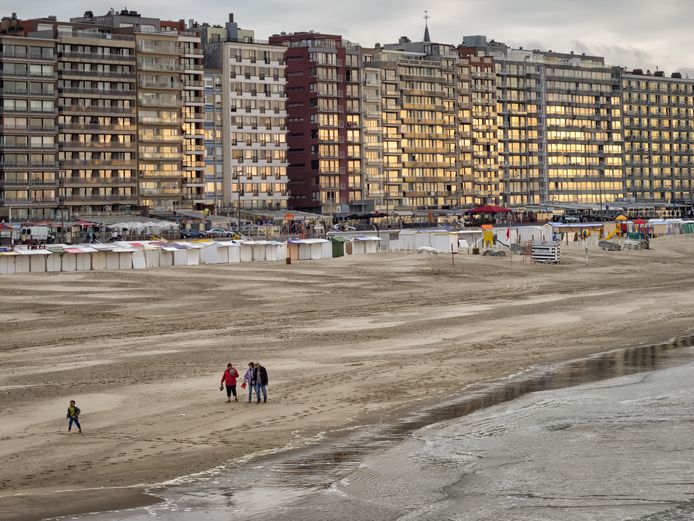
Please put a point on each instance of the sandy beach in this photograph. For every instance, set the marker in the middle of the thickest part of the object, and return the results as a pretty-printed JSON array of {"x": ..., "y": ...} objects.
[{"x": 345, "y": 341}]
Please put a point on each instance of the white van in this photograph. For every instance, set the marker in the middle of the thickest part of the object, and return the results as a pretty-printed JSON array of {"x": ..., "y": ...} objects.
[{"x": 35, "y": 233}]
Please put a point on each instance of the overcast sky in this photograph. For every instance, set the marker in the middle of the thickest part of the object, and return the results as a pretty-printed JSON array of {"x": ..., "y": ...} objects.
[{"x": 633, "y": 33}]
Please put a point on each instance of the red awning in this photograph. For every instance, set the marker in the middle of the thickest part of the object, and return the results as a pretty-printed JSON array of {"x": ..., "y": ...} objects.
[
  {"x": 639, "y": 221},
  {"x": 488, "y": 208}
]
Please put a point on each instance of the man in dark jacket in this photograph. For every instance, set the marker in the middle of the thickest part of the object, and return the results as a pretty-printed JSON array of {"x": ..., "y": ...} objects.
[{"x": 261, "y": 381}]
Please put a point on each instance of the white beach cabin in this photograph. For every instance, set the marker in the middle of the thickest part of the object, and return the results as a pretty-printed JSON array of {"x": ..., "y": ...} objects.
[{"x": 366, "y": 244}]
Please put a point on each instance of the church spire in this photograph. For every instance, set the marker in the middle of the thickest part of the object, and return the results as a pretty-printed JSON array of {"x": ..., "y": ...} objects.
[{"x": 427, "y": 38}]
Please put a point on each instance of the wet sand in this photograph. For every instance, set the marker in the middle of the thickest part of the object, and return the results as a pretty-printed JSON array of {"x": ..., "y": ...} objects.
[{"x": 346, "y": 342}]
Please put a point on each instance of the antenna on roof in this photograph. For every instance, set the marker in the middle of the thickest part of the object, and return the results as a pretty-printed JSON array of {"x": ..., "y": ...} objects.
[{"x": 427, "y": 38}]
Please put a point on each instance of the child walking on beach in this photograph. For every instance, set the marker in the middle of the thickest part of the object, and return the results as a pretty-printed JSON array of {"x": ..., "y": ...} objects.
[
  {"x": 229, "y": 379},
  {"x": 73, "y": 414}
]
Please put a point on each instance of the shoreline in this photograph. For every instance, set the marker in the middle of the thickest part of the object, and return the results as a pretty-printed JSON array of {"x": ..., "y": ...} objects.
[
  {"x": 474, "y": 398},
  {"x": 324, "y": 330},
  {"x": 138, "y": 496}
]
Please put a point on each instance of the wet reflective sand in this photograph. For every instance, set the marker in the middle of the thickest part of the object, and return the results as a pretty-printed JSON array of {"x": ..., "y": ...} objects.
[{"x": 607, "y": 437}]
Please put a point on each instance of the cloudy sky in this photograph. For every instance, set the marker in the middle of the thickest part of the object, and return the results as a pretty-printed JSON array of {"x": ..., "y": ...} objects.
[{"x": 633, "y": 33}]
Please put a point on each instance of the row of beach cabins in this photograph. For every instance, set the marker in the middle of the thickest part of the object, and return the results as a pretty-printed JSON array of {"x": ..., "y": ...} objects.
[{"x": 126, "y": 255}]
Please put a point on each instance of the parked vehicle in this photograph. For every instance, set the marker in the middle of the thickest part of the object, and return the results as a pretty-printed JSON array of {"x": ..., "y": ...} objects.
[
  {"x": 192, "y": 234},
  {"x": 219, "y": 232},
  {"x": 35, "y": 233}
]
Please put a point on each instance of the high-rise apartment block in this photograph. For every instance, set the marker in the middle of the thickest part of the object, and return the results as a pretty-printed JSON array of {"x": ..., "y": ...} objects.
[
  {"x": 246, "y": 129},
  {"x": 324, "y": 81},
  {"x": 658, "y": 137},
  {"x": 121, "y": 113},
  {"x": 418, "y": 122},
  {"x": 28, "y": 130},
  {"x": 170, "y": 108},
  {"x": 560, "y": 117}
]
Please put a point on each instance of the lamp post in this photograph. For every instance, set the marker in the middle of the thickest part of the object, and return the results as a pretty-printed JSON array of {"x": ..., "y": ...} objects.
[
  {"x": 239, "y": 188},
  {"x": 61, "y": 200},
  {"x": 239, "y": 206}
]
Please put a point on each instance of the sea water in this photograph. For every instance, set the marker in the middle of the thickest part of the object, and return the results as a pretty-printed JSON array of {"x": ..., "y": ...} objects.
[{"x": 608, "y": 437}]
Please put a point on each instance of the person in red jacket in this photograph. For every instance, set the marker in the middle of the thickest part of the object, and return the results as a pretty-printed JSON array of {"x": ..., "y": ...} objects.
[{"x": 229, "y": 379}]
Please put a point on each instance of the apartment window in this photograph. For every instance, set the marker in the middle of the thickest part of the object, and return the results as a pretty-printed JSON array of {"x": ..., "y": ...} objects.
[
  {"x": 41, "y": 106},
  {"x": 42, "y": 142},
  {"x": 42, "y": 89},
  {"x": 15, "y": 69},
  {"x": 15, "y": 87},
  {"x": 14, "y": 141},
  {"x": 41, "y": 70},
  {"x": 14, "y": 51},
  {"x": 42, "y": 53},
  {"x": 19, "y": 105}
]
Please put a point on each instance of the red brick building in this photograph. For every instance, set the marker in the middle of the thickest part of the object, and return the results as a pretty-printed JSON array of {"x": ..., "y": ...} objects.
[{"x": 324, "y": 123}]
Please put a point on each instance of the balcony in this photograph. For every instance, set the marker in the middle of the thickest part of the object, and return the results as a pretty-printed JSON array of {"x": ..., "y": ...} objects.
[
  {"x": 82, "y": 145},
  {"x": 88, "y": 198},
  {"x": 96, "y": 127},
  {"x": 96, "y": 57},
  {"x": 162, "y": 192},
  {"x": 97, "y": 109},
  {"x": 67, "y": 163},
  {"x": 156, "y": 174},
  {"x": 89, "y": 181},
  {"x": 159, "y": 85},
  {"x": 159, "y": 121},
  {"x": 123, "y": 76},
  {"x": 161, "y": 67},
  {"x": 99, "y": 92}
]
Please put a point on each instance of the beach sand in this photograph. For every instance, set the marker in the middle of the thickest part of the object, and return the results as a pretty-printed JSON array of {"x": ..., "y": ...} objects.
[{"x": 345, "y": 341}]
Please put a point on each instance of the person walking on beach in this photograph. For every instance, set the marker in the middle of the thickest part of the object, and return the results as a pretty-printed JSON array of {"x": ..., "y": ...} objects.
[
  {"x": 261, "y": 382},
  {"x": 229, "y": 379},
  {"x": 73, "y": 414},
  {"x": 249, "y": 380}
]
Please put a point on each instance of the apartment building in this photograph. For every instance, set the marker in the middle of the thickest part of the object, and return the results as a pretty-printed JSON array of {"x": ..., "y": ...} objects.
[
  {"x": 214, "y": 141},
  {"x": 96, "y": 120},
  {"x": 124, "y": 96},
  {"x": 246, "y": 129},
  {"x": 518, "y": 95},
  {"x": 28, "y": 130},
  {"x": 421, "y": 151},
  {"x": 468, "y": 196},
  {"x": 658, "y": 137},
  {"x": 577, "y": 99},
  {"x": 324, "y": 75},
  {"x": 170, "y": 112},
  {"x": 486, "y": 175},
  {"x": 372, "y": 138}
]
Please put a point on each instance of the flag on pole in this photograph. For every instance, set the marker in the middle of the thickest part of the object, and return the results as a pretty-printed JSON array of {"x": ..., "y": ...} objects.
[{"x": 508, "y": 233}]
